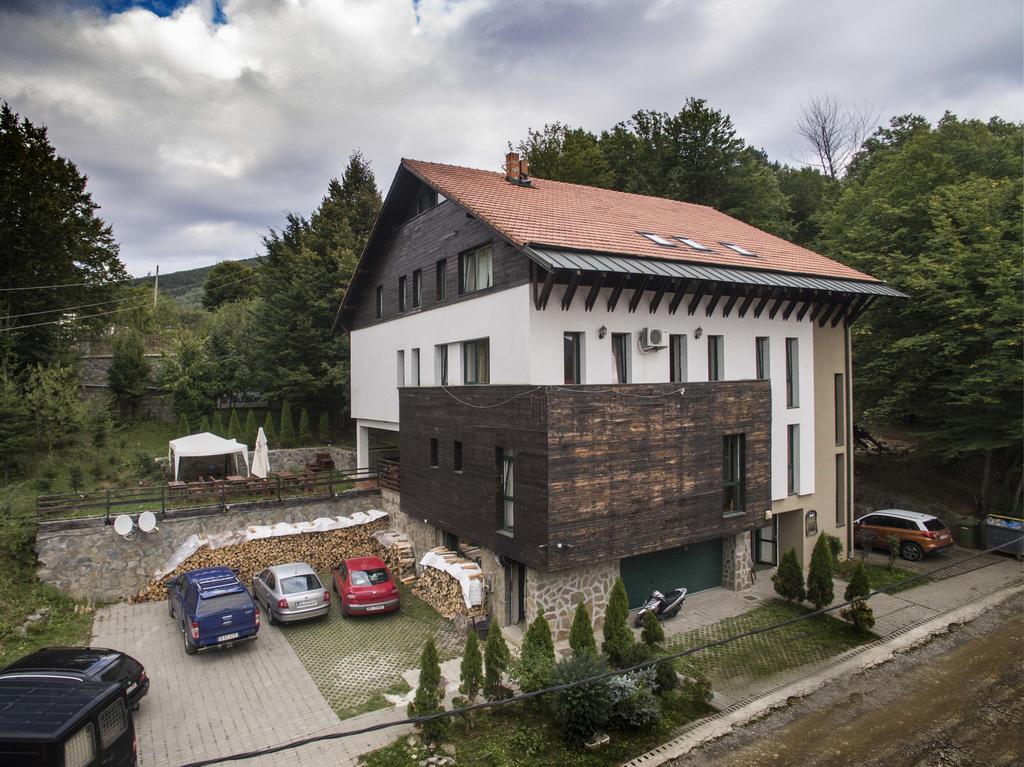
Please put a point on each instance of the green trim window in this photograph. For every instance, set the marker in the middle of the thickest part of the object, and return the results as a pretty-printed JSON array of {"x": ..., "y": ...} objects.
[
  {"x": 476, "y": 361},
  {"x": 734, "y": 471},
  {"x": 475, "y": 271},
  {"x": 762, "y": 353}
]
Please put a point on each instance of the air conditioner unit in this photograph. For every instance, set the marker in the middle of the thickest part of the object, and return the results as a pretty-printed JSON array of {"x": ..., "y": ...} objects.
[{"x": 652, "y": 339}]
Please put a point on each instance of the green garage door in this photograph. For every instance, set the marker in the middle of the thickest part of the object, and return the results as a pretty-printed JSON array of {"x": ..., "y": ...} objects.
[{"x": 697, "y": 567}]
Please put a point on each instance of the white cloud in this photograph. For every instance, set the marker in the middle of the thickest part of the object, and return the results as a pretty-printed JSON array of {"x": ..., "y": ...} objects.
[{"x": 197, "y": 136}]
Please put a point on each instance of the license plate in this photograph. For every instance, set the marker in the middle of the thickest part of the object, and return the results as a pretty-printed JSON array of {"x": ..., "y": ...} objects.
[
  {"x": 306, "y": 603},
  {"x": 374, "y": 607},
  {"x": 227, "y": 637},
  {"x": 131, "y": 687}
]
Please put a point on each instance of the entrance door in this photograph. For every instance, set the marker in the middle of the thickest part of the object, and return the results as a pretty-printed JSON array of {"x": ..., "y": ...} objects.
[
  {"x": 515, "y": 592},
  {"x": 766, "y": 544}
]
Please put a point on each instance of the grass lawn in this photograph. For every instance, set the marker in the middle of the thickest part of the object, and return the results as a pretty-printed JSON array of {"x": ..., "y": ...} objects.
[
  {"x": 769, "y": 653},
  {"x": 520, "y": 736},
  {"x": 881, "y": 576}
]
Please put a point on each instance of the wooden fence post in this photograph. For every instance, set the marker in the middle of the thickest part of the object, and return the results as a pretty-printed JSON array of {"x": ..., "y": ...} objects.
[
  {"x": 108, "y": 505},
  {"x": 163, "y": 502}
]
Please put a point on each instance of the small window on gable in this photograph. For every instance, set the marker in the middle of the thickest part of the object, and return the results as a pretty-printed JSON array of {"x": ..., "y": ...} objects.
[
  {"x": 692, "y": 243},
  {"x": 657, "y": 239},
  {"x": 738, "y": 249},
  {"x": 426, "y": 199},
  {"x": 379, "y": 307}
]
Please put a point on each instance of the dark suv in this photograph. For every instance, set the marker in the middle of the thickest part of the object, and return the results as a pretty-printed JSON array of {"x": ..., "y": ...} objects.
[
  {"x": 213, "y": 609},
  {"x": 96, "y": 663}
]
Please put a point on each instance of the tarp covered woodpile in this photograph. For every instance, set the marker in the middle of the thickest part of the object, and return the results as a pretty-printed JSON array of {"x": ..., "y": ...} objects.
[{"x": 450, "y": 584}]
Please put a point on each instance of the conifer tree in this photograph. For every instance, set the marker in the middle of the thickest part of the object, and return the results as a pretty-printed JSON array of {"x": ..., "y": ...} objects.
[
  {"x": 183, "y": 427},
  {"x": 323, "y": 429},
  {"x": 204, "y": 424},
  {"x": 581, "y": 635},
  {"x": 819, "y": 578},
  {"x": 860, "y": 583},
  {"x": 496, "y": 660},
  {"x": 218, "y": 423},
  {"x": 652, "y": 633},
  {"x": 235, "y": 426},
  {"x": 270, "y": 432},
  {"x": 249, "y": 430},
  {"x": 537, "y": 659},
  {"x": 618, "y": 639},
  {"x": 305, "y": 434},
  {"x": 287, "y": 432},
  {"x": 471, "y": 670},
  {"x": 429, "y": 695}
]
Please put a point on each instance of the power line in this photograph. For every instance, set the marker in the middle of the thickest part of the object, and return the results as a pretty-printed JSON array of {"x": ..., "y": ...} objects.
[
  {"x": 67, "y": 285},
  {"x": 589, "y": 680}
]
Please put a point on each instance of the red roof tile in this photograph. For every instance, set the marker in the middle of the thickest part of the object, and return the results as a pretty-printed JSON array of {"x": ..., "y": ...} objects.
[{"x": 575, "y": 217}]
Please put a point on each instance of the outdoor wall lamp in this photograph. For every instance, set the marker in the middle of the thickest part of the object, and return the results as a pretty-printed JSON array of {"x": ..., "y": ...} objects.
[
  {"x": 602, "y": 332},
  {"x": 698, "y": 333}
]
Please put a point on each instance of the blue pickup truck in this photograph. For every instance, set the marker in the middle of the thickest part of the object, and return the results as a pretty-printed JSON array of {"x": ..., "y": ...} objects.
[{"x": 212, "y": 608}]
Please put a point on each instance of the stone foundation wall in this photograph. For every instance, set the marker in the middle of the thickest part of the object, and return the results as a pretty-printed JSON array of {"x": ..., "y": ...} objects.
[
  {"x": 87, "y": 559},
  {"x": 423, "y": 536},
  {"x": 558, "y": 593},
  {"x": 737, "y": 562}
]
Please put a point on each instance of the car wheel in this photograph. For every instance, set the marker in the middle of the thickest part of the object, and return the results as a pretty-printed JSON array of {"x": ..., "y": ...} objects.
[
  {"x": 190, "y": 649},
  {"x": 270, "y": 617},
  {"x": 170, "y": 608},
  {"x": 911, "y": 552}
]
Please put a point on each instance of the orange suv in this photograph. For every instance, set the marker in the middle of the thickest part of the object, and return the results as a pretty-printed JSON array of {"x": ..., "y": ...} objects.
[{"x": 919, "y": 534}]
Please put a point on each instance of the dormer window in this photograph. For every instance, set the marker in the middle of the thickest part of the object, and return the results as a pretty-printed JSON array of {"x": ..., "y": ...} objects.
[
  {"x": 738, "y": 249},
  {"x": 426, "y": 199},
  {"x": 692, "y": 243},
  {"x": 657, "y": 239}
]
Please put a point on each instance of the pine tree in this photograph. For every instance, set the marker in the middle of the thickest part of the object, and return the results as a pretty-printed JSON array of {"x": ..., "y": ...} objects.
[
  {"x": 471, "y": 671},
  {"x": 235, "y": 426},
  {"x": 537, "y": 659},
  {"x": 305, "y": 434},
  {"x": 429, "y": 695},
  {"x": 789, "y": 578},
  {"x": 618, "y": 639},
  {"x": 323, "y": 429},
  {"x": 652, "y": 633},
  {"x": 204, "y": 424},
  {"x": 15, "y": 427},
  {"x": 183, "y": 427},
  {"x": 287, "y": 433},
  {"x": 218, "y": 423},
  {"x": 496, "y": 660},
  {"x": 860, "y": 583},
  {"x": 249, "y": 430},
  {"x": 129, "y": 369},
  {"x": 581, "y": 635},
  {"x": 819, "y": 578},
  {"x": 270, "y": 432}
]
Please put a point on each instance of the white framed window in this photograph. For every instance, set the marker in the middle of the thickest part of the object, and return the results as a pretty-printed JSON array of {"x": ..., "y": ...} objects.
[
  {"x": 693, "y": 243},
  {"x": 792, "y": 372},
  {"x": 508, "y": 491},
  {"x": 762, "y": 352},
  {"x": 400, "y": 360},
  {"x": 657, "y": 239},
  {"x": 476, "y": 361},
  {"x": 572, "y": 358},
  {"x": 620, "y": 357},
  {"x": 415, "y": 367},
  {"x": 793, "y": 459},
  {"x": 475, "y": 272},
  {"x": 677, "y": 358},
  {"x": 441, "y": 365},
  {"x": 716, "y": 358},
  {"x": 738, "y": 249}
]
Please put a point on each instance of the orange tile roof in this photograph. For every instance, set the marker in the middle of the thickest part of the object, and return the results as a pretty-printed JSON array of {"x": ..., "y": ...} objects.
[{"x": 575, "y": 217}]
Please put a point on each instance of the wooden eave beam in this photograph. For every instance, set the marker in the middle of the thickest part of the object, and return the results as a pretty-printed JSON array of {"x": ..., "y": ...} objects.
[
  {"x": 695, "y": 301},
  {"x": 775, "y": 307},
  {"x": 842, "y": 313},
  {"x": 746, "y": 303},
  {"x": 855, "y": 314},
  {"x": 545, "y": 291},
  {"x": 659, "y": 293},
  {"x": 570, "y": 290},
  {"x": 733, "y": 297},
  {"x": 638, "y": 293},
  {"x": 715, "y": 298},
  {"x": 595, "y": 290},
  {"x": 613, "y": 299},
  {"x": 808, "y": 303},
  {"x": 790, "y": 307},
  {"x": 827, "y": 313},
  {"x": 678, "y": 297},
  {"x": 762, "y": 303},
  {"x": 818, "y": 307}
]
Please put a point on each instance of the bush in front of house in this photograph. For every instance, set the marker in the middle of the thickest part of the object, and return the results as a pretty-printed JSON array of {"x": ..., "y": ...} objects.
[
  {"x": 581, "y": 635},
  {"x": 429, "y": 695},
  {"x": 496, "y": 660},
  {"x": 652, "y": 634},
  {"x": 471, "y": 671},
  {"x": 633, "y": 703},
  {"x": 820, "y": 590},
  {"x": 618, "y": 639},
  {"x": 835, "y": 545},
  {"x": 860, "y": 583},
  {"x": 789, "y": 578},
  {"x": 537, "y": 659},
  {"x": 584, "y": 709},
  {"x": 859, "y": 613}
]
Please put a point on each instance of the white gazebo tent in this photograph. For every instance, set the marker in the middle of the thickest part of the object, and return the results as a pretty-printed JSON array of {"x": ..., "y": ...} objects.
[{"x": 204, "y": 445}]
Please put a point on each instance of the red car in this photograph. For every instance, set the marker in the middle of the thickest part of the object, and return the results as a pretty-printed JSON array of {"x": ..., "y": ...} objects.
[{"x": 365, "y": 586}]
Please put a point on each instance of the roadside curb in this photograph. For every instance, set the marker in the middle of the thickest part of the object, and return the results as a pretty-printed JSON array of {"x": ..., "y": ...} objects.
[{"x": 849, "y": 663}]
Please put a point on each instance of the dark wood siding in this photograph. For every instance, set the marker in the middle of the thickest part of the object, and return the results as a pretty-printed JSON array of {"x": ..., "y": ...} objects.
[
  {"x": 608, "y": 471},
  {"x": 444, "y": 231}
]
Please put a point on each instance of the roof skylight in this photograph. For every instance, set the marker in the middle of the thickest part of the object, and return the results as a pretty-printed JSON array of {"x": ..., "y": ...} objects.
[
  {"x": 693, "y": 243},
  {"x": 738, "y": 249},
  {"x": 657, "y": 239}
]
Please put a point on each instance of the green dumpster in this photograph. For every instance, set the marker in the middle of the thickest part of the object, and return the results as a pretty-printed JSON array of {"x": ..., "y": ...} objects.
[{"x": 970, "y": 534}]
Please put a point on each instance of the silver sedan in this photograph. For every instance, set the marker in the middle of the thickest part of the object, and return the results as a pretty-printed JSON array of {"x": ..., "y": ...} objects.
[{"x": 291, "y": 592}]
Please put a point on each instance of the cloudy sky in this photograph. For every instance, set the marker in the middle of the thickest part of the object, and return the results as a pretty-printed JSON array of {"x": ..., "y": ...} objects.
[{"x": 200, "y": 123}]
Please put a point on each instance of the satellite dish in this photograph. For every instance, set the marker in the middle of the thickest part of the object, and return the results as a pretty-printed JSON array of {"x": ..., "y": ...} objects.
[
  {"x": 124, "y": 526},
  {"x": 147, "y": 521}
]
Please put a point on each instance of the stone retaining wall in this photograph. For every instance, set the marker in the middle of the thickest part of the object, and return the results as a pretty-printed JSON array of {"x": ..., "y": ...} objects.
[
  {"x": 558, "y": 593},
  {"x": 87, "y": 559},
  {"x": 296, "y": 458}
]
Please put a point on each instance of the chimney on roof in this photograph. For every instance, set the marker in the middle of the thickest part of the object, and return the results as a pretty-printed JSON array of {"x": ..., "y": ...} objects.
[{"x": 517, "y": 171}]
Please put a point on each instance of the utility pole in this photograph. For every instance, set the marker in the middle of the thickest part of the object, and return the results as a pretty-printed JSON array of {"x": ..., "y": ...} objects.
[{"x": 156, "y": 285}]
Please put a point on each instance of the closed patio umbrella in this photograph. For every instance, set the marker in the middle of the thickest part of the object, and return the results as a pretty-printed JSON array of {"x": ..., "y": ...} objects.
[{"x": 261, "y": 456}]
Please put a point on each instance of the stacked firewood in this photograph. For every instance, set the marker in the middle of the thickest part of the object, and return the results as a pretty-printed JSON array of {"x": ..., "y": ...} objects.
[
  {"x": 442, "y": 591},
  {"x": 321, "y": 551},
  {"x": 397, "y": 552}
]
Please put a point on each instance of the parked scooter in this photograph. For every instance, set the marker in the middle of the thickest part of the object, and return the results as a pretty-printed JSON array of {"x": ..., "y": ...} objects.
[{"x": 662, "y": 605}]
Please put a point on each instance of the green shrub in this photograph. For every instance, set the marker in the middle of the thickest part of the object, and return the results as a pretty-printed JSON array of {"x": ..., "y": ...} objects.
[
  {"x": 471, "y": 670},
  {"x": 144, "y": 466},
  {"x": 652, "y": 634},
  {"x": 860, "y": 615},
  {"x": 323, "y": 429},
  {"x": 183, "y": 428},
  {"x": 585, "y": 709},
  {"x": 537, "y": 659},
  {"x": 835, "y": 545},
  {"x": 429, "y": 697},
  {"x": 287, "y": 432},
  {"x": 496, "y": 661},
  {"x": 204, "y": 424},
  {"x": 270, "y": 432},
  {"x": 250, "y": 430},
  {"x": 819, "y": 578},
  {"x": 581, "y": 635},
  {"x": 76, "y": 476},
  {"x": 633, "y": 704},
  {"x": 618, "y": 638},
  {"x": 789, "y": 578},
  {"x": 665, "y": 676},
  {"x": 305, "y": 434},
  {"x": 217, "y": 424},
  {"x": 234, "y": 426},
  {"x": 860, "y": 583}
]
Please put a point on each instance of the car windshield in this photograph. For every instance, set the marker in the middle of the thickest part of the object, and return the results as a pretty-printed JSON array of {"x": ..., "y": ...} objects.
[
  {"x": 369, "y": 577},
  {"x": 238, "y": 600},
  {"x": 296, "y": 584},
  {"x": 934, "y": 524}
]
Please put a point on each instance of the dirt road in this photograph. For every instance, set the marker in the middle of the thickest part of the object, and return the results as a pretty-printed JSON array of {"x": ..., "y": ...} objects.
[{"x": 956, "y": 702}]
